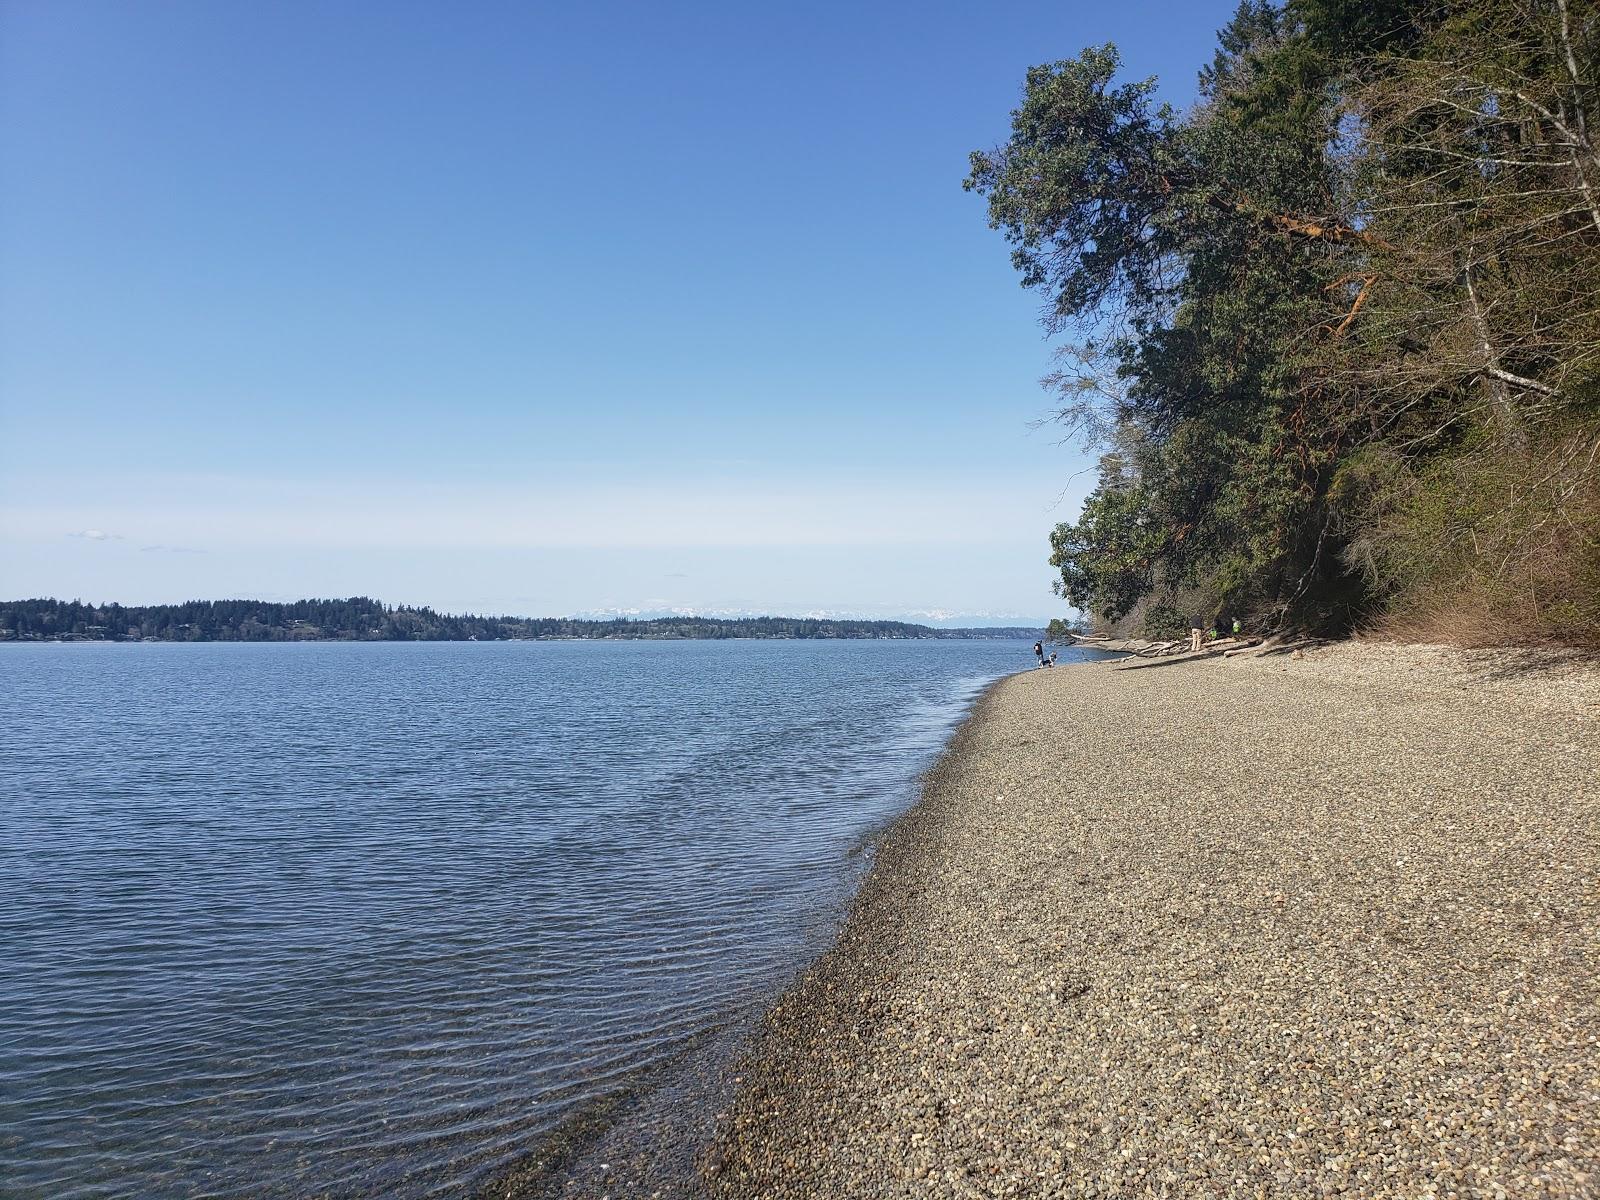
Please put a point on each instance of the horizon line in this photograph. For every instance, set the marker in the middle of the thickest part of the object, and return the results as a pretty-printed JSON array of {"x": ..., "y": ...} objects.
[{"x": 597, "y": 616}]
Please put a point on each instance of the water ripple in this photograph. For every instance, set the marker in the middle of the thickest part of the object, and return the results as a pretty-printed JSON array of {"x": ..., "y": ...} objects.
[{"x": 366, "y": 919}]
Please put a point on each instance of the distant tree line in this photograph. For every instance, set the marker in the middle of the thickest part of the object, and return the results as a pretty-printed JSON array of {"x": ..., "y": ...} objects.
[{"x": 360, "y": 619}]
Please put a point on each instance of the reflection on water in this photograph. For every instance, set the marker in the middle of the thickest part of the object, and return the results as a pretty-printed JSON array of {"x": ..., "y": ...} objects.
[{"x": 277, "y": 919}]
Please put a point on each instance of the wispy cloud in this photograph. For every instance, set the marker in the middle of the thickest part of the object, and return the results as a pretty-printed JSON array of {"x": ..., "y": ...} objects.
[
  {"x": 600, "y": 513},
  {"x": 96, "y": 535},
  {"x": 171, "y": 550}
]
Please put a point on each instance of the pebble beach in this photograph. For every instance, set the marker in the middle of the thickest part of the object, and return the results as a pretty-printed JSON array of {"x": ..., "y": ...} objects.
[{"x": 1313, "y": 924}]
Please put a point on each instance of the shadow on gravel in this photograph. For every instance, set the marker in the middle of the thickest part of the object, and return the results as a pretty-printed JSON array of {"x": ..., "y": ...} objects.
[
  {"x": 1175, "y": 660},
  {"x": 1501, "y": 665}
]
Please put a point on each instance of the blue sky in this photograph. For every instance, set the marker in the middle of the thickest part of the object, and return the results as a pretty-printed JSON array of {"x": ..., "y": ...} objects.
[{"x": 530, "y": 308}]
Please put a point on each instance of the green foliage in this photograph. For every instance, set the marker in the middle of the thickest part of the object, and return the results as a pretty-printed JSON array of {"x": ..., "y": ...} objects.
[
  {"x": 1082, "y": 187},
  {"x": 1164, "y": 621},
  {"x": 1059, "y": 631},
  {"x": 1106, "y": 558},
  {"x": 1343, "y": 311}
]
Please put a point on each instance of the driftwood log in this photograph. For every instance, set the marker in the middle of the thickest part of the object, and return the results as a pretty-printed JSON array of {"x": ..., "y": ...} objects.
[{"x": 1158, "y": 648}]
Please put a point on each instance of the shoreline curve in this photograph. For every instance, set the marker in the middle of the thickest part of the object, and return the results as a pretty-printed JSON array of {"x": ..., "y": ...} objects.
[{"x": 1223, "y": 928}]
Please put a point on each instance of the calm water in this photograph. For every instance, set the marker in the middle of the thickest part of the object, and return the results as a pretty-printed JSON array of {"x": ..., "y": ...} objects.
[{"x": 367, "y": 919}]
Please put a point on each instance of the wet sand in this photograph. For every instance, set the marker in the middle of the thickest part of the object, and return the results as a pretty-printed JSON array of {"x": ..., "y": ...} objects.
[{"x": 1246, "y": 927}]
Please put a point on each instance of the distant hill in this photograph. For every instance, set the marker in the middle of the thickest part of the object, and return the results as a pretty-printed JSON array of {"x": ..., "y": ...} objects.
[{"x": 360, "y": 619}]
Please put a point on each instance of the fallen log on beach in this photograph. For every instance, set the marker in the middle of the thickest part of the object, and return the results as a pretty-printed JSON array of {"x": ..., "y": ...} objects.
[
  {"x": 1142, "y": 648},
  {"x": 1158, "y": 648},
  {"x": 1169, "y": 659}
]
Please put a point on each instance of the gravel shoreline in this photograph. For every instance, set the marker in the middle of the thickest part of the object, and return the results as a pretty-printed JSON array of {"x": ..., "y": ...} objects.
[{"x": 1252, "y": 927}]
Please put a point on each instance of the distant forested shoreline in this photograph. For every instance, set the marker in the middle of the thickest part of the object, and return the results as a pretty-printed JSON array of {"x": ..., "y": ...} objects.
[{"x": 360, "y": 619}]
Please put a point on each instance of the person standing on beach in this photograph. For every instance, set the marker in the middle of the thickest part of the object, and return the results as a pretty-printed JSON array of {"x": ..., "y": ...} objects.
[
  {"x": 1038, "y": 652},
  {"x": 1195, "y": 634}
]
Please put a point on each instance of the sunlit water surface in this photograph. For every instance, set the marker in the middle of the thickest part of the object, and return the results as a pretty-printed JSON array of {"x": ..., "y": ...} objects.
[{"x": 366, "y": 919}]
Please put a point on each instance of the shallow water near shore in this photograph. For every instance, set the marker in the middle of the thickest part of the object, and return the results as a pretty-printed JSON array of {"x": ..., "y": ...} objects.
[{"x": 370, "y": 919}]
